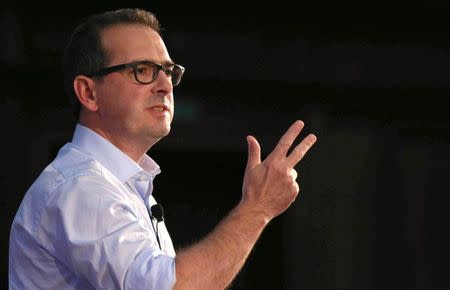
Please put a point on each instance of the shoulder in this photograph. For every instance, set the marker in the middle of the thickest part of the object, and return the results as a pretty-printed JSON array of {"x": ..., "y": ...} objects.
[
  {"x": 72, "y": 179},
  {"x": 66, "y": 170},
  {"x": 74, "y": 173}
]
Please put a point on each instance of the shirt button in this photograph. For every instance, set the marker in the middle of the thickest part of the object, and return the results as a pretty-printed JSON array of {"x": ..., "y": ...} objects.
[{"x": 143, "y": 177}]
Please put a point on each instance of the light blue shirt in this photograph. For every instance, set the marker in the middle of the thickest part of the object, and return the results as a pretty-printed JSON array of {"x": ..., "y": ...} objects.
[{"x": 85, "y": 224}]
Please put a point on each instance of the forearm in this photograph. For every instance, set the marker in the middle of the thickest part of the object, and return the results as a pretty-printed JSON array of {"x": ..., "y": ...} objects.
[
  {"x": 268, "y": 189},
  {"x": 213, "y": 262}
]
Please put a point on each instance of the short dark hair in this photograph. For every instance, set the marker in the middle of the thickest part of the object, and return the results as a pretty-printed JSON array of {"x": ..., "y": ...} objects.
[{"x": 84, "y": 52}]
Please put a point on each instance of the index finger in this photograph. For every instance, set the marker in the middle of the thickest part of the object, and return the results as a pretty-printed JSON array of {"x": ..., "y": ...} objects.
[{"x": 287, "y": 139}]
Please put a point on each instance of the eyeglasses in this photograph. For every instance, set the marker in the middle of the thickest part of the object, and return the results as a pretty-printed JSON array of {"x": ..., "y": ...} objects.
[{"x": 145, "y": 72}]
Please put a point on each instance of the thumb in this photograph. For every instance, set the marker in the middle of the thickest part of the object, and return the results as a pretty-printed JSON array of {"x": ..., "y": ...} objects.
[{"x": 254, "y": 152}]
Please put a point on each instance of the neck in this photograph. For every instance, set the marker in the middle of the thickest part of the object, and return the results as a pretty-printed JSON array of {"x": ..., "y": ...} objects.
[{"x": 132, "y": 148}]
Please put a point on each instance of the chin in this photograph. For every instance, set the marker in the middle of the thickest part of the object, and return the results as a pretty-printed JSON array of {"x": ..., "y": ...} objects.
[
  {"x": 166, "y": 130},
  {"x": 163, "y": 132}
]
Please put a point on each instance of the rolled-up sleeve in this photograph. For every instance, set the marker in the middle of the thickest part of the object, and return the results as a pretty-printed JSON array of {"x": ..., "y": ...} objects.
[{"x": 155, "y": 272}]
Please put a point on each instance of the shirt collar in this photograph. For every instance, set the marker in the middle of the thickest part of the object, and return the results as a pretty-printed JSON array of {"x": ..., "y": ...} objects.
[{"x": 116, "y": 161}]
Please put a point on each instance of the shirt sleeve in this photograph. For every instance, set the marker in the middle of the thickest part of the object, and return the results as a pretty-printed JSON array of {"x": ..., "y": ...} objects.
[
  {"x": 95, "y": 229},
  {"x": 155, "y": 272}
]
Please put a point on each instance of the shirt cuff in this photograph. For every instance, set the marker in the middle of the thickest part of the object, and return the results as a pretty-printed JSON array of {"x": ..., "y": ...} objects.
[{"x": 151, "y": 270}]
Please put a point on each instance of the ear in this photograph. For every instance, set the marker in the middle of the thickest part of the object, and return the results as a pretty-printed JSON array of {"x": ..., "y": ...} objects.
[{"x": 85, "y": 90}]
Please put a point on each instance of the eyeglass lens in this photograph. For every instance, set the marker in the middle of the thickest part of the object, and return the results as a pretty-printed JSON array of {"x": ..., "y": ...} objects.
[{"x": 148, "y": 72}]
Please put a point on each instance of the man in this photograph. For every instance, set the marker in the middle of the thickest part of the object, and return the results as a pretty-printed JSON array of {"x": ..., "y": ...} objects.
[{"x": 87, "y": 222}]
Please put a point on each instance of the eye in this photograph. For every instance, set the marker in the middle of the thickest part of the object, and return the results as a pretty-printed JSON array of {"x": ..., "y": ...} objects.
[
  {"x": 144, "y": 69},
  {"x": 169, "y": 70}
]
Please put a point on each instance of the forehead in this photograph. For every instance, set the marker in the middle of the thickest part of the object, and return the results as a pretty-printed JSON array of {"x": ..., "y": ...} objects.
[{"x": 129, "y": 42}]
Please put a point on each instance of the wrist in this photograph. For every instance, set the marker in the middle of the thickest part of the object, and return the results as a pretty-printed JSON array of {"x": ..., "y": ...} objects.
[{"x": 252, "y": 212}]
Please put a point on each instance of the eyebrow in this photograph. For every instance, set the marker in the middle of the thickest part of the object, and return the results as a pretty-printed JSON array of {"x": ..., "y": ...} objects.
[{"x": 165, "y": 63}]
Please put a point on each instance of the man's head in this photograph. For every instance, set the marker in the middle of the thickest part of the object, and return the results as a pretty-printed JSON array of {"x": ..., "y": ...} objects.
[
  {"x": 118, "y": 69},
  {"x": 84, "y": 52}
]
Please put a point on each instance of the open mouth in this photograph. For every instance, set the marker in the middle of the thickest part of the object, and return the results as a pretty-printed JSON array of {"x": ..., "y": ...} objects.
[{"x": 160, "y": 108}]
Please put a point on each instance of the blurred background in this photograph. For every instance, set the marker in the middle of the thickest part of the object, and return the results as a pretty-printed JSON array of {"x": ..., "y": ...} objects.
[{"x": 371, "y": 81}]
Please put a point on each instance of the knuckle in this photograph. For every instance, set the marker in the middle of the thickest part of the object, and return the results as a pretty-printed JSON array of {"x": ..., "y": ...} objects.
[
  {"x": 293, "y": 194},
  {"x": 295, "y": 187},
  {"x": 300, "y": 152},
  {"x": 283, "y": 145}
]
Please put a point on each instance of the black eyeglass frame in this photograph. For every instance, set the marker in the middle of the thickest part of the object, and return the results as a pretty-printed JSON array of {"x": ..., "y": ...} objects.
[{"x": 134, "y": 64}]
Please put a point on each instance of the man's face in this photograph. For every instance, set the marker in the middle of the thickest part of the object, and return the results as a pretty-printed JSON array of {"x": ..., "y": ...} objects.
[{"x": 130, "y": 113}]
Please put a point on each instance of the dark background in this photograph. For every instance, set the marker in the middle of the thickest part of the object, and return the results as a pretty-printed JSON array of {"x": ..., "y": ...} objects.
[{"x": 371, "y": 81}]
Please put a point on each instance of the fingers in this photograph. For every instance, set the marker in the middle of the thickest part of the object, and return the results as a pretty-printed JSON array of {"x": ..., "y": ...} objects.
[
  {"x": 254, "y": 152},
  {"x": 293, "y": 174},
  {"x": 287, "y": 139},
  {"x": 301, "y": 149},
  {"x": 282, "y": 148}
]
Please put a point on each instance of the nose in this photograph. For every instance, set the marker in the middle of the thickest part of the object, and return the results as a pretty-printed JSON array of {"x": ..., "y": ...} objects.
[{"x": 162, "y": 84}]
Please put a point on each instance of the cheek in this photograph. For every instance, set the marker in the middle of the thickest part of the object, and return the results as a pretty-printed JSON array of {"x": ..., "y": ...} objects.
[{"x": 116, "y": 103}]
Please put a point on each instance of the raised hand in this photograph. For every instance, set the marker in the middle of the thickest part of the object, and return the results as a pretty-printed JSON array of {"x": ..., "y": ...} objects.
[{"x": 270, "y": 186}]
